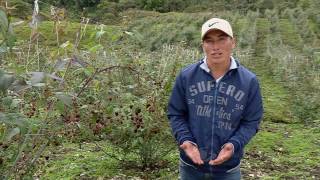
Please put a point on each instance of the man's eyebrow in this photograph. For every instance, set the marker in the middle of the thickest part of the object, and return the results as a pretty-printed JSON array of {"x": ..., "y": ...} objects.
[{"x": 222, "y": 35}]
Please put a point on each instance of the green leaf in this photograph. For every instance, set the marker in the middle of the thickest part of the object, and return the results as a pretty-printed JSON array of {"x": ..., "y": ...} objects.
[
  {"x": 6, "y": 32},
  {"x": 15, "y": 103},
  {"x": 60, "y": 107},
  {"x": 99, "y": 34},
  {"x": 89, "y": 70},
  {"x": 7, "y": 101},
  {"x": 65, "y": 98},
  {"x": 79, "y": 125},
  {"x": 20, "y": 85},
  {"x": 67, "y": 45},
  {"x": 12, "y": 133},
  {"x": 52, "y": 76},
  {"x": 60, "y": 64},
  {"x": 3, "y": 49},
  {"x": 37, "y": 77},
  {"x": 15, "y": 119},
  {"x": 5, "y": 80},
  {"x": 39, "y": 84},
  {"x": 95, "y": 48},
  {"x": 3, "y": 22}
]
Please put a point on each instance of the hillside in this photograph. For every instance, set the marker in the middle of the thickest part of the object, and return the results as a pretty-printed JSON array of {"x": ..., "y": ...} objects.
[{"x": 103, "y": 120}]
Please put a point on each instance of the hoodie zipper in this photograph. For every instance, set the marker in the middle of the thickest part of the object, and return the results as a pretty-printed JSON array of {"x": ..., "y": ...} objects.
[
  {"x": 214, "y": 114},
  {"x": 213, "y": 119}
]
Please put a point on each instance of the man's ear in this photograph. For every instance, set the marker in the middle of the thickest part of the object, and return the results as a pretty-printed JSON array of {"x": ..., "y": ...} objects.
[
  {"x": 234, "y": 42},
  {"x": 201, "y": 47}
]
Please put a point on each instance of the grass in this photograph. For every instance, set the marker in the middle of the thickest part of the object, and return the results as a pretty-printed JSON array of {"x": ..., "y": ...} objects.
[
  {"x": 283, "y": 151},
  {"x": 283, "y": 148},
  {"x": 71, "y": 162}
]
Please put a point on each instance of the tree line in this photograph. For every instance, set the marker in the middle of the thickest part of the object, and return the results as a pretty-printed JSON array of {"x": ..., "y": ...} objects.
[{"x": 113, "y": 6}]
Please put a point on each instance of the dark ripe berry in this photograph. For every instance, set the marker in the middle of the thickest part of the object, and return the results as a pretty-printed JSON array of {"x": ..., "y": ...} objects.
[
  {"x": 47, "y": 158},
  {"x": 138, "y": 111},
  {"x": 116, "y": 113},
  {"x": 110, "y": 98}
]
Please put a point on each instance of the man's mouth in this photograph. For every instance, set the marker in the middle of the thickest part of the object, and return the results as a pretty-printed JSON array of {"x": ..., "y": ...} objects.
[{"x": 216, "y": 54}]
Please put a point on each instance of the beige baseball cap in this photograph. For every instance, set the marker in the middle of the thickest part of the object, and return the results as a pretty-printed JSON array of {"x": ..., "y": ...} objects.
[{"x": 216, "y": 23}]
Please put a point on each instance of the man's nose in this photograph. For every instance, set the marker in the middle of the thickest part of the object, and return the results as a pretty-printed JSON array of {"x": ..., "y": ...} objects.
[{"x": 215, "y": 45}]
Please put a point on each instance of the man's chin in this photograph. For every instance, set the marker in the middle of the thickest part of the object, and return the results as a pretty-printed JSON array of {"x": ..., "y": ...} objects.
[{"x": 216, "y": 59}]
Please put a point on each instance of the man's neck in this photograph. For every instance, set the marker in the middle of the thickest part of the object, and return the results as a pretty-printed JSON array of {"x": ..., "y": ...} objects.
[{"x": 219, "y": 69}]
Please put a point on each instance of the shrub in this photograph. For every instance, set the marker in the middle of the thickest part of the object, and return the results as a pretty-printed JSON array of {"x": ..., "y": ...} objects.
[{"x": 21, "y": 9}]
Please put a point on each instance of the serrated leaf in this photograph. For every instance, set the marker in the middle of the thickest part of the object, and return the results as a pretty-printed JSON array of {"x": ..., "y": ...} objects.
[
  {"x": 84, "y": 107},
  {"x": 79, "y": 125},
  {"x": 12, "y": 133},
  {"x": 7, "y": 101},
  {"x": 129, "y": 33},
  {"x": 15, "y": 103},
  {"x": 78, "y": 62},
  {"x": 65, "y": 98},
  {"x": 99, "y": 34},
  {"x": 3, "y": 49},
  {"x": 3, "y": 21},
  {"x": 89, "y": 71},
  {"x": 39, "y": 84},
  {"x": 37, "y": 77},
  {"x": 19, "y": 85},
  {"x": 14, "y": 119},
  {"x": 60, "y": 64},
  {"x": 52, "y": 76},
  {"x": 5, "y": 81},
  {"x": 67, "y": 44},
  {"x": 95, "y": 48},
  {"x": 60, "y": 107}
]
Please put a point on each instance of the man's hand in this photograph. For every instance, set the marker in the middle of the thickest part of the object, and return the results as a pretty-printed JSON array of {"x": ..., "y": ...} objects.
[
  {"x": 224, "y": 155},
  {"x": 192, "y": 152}
]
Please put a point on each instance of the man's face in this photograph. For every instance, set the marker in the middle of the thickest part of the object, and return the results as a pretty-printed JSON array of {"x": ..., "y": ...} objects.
[{"x": 218, "y": 47}]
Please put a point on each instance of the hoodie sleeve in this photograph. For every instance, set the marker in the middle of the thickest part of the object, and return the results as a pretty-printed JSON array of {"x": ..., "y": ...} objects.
[
  {"x": 178, "y": 114},
  {"x": 251, "y": 118}
]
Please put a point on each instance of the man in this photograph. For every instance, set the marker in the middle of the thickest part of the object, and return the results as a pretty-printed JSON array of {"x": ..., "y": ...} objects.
[{"x": 215, "y": 108}]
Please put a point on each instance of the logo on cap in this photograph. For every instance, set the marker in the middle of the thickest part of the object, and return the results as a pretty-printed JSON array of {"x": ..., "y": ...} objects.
[{"x": 212, "y": 24}]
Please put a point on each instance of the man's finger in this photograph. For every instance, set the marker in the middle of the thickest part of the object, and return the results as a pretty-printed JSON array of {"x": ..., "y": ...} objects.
[
  {"x": 197, "y": 160},
  {"x": 217, "y": 161},
  {"x": 193, "y": 153}
]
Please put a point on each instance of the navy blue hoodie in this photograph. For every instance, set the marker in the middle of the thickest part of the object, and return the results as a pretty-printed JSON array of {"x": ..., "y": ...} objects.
[{"x": 210, "y": 113}]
